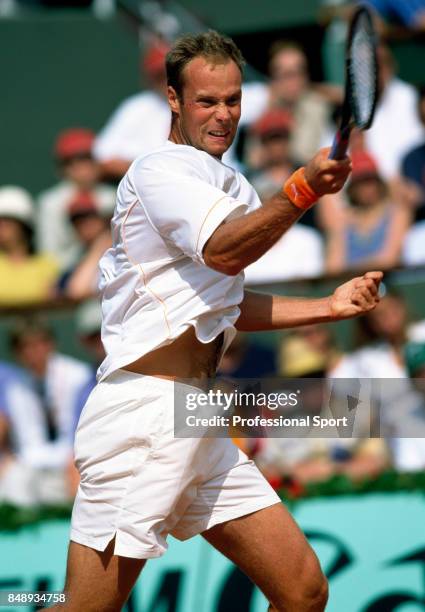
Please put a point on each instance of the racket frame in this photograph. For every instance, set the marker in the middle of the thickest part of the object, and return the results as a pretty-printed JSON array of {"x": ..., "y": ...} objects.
[{"x": 348, "y": 115}]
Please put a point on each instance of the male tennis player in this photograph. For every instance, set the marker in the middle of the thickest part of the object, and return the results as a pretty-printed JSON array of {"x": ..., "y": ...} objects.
[{"x": 184, "y": 228}]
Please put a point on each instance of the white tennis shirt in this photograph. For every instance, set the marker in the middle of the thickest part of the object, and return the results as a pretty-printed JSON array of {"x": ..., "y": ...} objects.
[{"x": 154, "y": 281}]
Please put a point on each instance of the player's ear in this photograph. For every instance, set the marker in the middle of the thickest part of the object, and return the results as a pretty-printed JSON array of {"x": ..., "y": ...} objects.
[{"x": 173, "y": 100}]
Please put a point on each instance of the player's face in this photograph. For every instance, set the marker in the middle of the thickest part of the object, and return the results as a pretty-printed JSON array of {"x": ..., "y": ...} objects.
[{"x": 208, "y": 112}]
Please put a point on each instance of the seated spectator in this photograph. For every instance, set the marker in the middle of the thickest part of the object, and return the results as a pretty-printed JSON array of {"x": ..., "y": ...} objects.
[
  {"x": 269, "y": 153},
  {"x": 20, "y": 435},
  {"x": 372, "y": 228},
  {"x": 92, "y": 230},
  {"x": 140, "y": 123},
  {"x": 56, "y": 378},
  {"x": 413, "y": 170},
  {"x": 290, "y": 88},
  {"x": 271, "y": 134},
  {"x": 80, "y": 174},
  {"x": 41, "y": 418},
  {"x": 396, "y": 128},
  {"x": 31, "y": 464},
  {"x": 25, "y": 277}
]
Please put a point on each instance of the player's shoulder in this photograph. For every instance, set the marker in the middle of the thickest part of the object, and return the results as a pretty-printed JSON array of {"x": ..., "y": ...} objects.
[{"x": 173, "y": 159}]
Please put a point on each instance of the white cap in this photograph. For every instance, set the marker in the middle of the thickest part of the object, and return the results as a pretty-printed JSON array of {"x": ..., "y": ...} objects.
[{"x": 16, "y": 203}]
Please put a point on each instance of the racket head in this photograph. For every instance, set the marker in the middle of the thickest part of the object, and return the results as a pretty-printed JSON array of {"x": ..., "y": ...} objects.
[{"x": 362, "y": 68}]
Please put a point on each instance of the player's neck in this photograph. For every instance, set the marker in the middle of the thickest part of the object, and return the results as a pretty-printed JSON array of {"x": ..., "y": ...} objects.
[
  {"x": 176, "y": 134},
  {"x": 178, "y": 137}
]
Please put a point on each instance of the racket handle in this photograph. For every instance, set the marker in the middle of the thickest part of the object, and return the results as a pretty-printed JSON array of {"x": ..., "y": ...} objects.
[{"x": 340, "y": 144}]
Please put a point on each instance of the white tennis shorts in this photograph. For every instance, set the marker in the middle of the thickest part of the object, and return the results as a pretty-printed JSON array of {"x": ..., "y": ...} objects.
[{"x": 139, "y": 483}]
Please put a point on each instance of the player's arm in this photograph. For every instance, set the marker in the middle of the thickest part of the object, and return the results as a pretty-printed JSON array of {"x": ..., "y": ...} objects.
[
  {"x": 262, "y": 312},
  {"x": 241, "y": 241}
]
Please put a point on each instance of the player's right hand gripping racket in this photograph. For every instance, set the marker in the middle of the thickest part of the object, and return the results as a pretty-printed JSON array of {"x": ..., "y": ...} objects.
[{"x": 361, "y": 80}]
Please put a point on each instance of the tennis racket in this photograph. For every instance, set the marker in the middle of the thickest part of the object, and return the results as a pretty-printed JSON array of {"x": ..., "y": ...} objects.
[{"x": 361, "y": 80}]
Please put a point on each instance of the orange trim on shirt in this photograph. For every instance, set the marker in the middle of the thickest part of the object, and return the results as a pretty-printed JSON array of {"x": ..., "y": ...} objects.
[
  {"x": 142, "y": 272},
  {"x": 206, "y": 217}
]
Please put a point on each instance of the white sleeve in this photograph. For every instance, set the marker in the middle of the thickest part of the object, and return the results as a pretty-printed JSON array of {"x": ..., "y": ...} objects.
[{"x": 181, "y": 204}]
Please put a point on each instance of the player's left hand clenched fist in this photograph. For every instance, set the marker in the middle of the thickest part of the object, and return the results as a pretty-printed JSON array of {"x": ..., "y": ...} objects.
[{"x": 358, "y": 296}]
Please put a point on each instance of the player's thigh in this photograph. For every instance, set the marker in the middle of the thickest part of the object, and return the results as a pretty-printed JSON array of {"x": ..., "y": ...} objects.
[
  {"x": 271, "y": 549},
  {"x": 98, "y": 581}
]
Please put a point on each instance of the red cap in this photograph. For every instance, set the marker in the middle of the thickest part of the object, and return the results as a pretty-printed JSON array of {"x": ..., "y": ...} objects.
[
  {"x": 82, "y": 203},
  {"x": 74, "y": 142},
  {"x": 273, "y": 121},
  {"x": 154, "y": 59},
  {"x": 364, "y": 165}
]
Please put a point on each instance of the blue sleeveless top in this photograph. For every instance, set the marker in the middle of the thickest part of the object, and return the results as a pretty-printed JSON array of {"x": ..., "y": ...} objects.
[{"x": 361, "y": 246}]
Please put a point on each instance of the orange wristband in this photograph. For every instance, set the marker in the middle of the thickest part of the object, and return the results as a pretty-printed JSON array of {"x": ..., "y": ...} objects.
[{"x": 299, "y": 191}]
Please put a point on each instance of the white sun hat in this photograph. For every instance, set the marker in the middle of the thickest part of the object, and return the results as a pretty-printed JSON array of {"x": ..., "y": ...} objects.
[{"x": 16, "y": 203}]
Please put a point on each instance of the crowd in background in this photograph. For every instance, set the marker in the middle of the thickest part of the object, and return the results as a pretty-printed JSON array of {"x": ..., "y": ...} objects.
[{"x": 50, "y": 247}]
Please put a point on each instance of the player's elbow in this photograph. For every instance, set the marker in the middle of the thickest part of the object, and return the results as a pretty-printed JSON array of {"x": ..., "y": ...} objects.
[
  {"x": 223, "y": 264},
  {"x": 220, "y": 259}
]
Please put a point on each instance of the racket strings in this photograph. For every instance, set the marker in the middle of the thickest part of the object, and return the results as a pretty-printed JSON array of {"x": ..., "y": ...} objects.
[{"x": 363, "y": 72}]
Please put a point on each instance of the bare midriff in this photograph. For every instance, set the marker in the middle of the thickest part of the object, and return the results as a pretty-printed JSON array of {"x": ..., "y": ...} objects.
[{"x": 185, "y": 358}]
